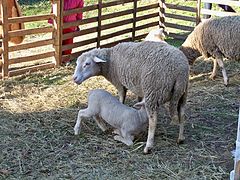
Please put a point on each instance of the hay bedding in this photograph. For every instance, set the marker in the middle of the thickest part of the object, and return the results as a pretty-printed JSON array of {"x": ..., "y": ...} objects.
[{"x": 38, "y": 113}]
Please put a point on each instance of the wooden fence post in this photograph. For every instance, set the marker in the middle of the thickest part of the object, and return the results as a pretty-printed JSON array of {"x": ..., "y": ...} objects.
[
  {"x": 161, "y": 13},
  {"x": 134, "y": 19},
  {"x": 5, "y": 38},
  {"x": 99, "y": 29},
  {"x": 198, "y": 17},
  {"x": 57, "y": 34}
]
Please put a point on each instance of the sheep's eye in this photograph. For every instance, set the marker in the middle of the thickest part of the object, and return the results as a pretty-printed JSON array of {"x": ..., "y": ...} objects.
[{"x": 86, "y": 64}]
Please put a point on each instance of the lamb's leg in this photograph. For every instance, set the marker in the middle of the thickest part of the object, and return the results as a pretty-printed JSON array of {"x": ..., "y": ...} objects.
[
  {"x": 100, "y": 123},
  {"x": 224, "y": 73},
  {"x": 83, "y": 113},
  {"x": 128, "y": 140},
  {"x": 122, "y": 94},
  {"x": 116, "y": 131},
  {"x": 214, "y": 72},
  {"x": 151, "y": 129}
]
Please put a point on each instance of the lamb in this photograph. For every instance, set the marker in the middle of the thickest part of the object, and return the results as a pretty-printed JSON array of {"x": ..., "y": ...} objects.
[
  {"x": 156, "y": 35},
  {"x": 156, "y": 71},
  {"x": 127, "y": 121},
  {"x": 218, "y": 38}
]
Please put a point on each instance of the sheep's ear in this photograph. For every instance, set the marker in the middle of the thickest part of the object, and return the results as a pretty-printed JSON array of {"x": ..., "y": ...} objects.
[{"x": 98, "y": 60}]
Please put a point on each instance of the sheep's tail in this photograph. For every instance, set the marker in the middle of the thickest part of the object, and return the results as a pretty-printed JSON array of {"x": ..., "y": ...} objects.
[{"x": 178, "y": 102}]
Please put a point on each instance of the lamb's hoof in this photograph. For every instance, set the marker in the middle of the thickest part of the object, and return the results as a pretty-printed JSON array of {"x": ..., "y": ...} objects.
[
  {"x": 147, "y": 150},
  {"x": 212, "y": 77}
]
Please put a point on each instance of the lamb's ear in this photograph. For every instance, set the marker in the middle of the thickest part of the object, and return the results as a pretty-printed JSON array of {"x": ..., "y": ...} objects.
[
  {"x": 98, "y": 60},
  {"x": 139, "y": 105}
]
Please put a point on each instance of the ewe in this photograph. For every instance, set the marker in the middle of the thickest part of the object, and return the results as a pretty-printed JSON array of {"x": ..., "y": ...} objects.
[{"x": 219, "y": 38}]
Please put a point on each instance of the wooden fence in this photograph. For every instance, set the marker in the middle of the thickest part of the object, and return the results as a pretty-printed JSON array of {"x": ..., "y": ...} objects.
[
  {"x": 216, "y": 11},
  {"x": 130, "y": 21}
]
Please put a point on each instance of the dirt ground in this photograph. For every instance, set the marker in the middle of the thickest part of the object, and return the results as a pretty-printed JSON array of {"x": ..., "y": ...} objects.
[{"x": 38, "y": 113}]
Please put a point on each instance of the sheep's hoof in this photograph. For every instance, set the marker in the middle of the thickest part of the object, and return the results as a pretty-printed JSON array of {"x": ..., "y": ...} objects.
[
  {"x": 180, "y": 140},
  {"x": 76, "y": 131},
  {"x": 226, "y": 82},
  {"x": 147, "y": 150}
]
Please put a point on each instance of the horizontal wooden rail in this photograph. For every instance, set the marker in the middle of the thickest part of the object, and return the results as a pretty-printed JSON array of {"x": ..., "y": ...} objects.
[
  {"x": 30, "y": 45},
  {"x": 117, "y": 14},
  {"x": 78, "y": 10},
  {"x": 114, "y": 3},
  {"x": 80, "y": 33},
  {"x": 116, "y": 24},
  {"x": 77, "y": 54},
  {"x": 180, "y": 17},
  {"x": 182, "y": 8},
  {"x": 152, "y": 24},
  {"x": 107, "y": 45},
  {"x": 30, "y": 69},
  {"x": 217, "y": 13},
  {"x": 24, "y": 32},
  {"x": 118, "y": 33},
  {"x": 31, "y": 58},
  {"x": 33, "y": 18},
  {"x": 95, "y": 7},
  {"x": 80, "y": 22},
  {"x": 224, "y": 2},
  {"x": 148, "y": 16},
  {"x": 79, "y": 44},
  {"x": 145, "y": 8},
  {"x": 142, "y": 36},
  {"x": 177, "y": 26}
]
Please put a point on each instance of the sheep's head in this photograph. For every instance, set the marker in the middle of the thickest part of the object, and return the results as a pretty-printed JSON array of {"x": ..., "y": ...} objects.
[{"x": 87, "y": 66}]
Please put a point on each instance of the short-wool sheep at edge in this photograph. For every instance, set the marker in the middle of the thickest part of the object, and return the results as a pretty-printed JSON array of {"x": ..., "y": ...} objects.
[
  {"x": 126, "y": 121},
  {"x": 156, "y": 71},
  {"x": 218, "y": 38}
]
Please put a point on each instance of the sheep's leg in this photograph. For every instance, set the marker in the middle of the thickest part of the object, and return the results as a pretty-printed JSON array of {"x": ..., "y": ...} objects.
[
  {"x": 214, "y": 72},
  {"x": 224, "y": 73},
  {"x": 151, "y": 129},
  {"x": 122, "y": 94},
  {"x": 100, "y": 123},
  {"x": 83, "y": 113},
  {"x": 181, "y": 114},
  {"x": 128, "y": 140},
  {"x": 181, "y": 137}
]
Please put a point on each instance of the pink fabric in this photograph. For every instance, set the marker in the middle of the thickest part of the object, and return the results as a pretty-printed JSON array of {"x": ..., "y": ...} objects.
[{"x": 68, "y": 5}]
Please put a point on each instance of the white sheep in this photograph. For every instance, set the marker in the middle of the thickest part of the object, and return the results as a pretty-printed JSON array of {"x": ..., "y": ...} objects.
[
  {"x": 156, "y": 35},
  {"x": 217, "y": 38},
  {"x": 126, "y": 121},
  {"x": 156, "y": 71}
]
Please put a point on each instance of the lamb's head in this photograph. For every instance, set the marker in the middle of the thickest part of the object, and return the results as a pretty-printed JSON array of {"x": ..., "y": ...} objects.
[
  {"x": 87, "y": 66},
  {"x": 141, "y": 110}
]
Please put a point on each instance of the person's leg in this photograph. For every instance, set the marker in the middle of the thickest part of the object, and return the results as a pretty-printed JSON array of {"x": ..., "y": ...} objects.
[
  {"x": 66, "y": 42},
  {"x": 226, "y": 8},
  {"x": 207, "y": 6}
]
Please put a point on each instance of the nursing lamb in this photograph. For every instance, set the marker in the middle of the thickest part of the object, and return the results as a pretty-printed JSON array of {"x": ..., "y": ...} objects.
[
  {"x": 156, "y": 71},
  {"x": 127, "y": 121}
]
